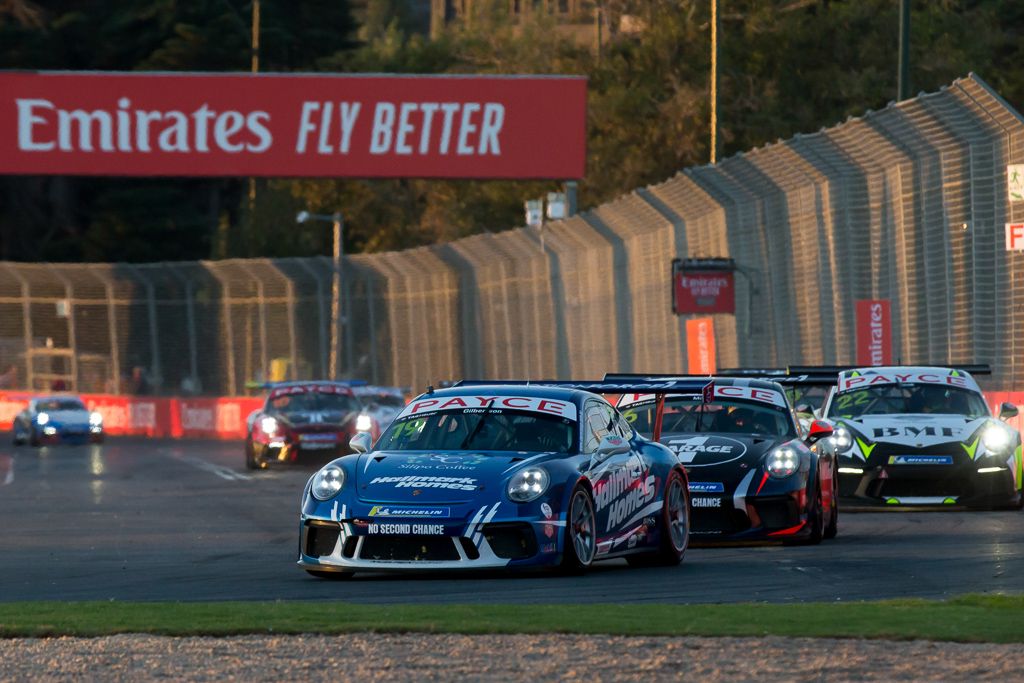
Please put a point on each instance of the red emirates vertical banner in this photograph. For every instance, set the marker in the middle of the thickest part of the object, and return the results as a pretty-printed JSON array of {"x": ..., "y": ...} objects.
[
  {"x": 700, "y": 346},
  {"x": 874, "y": 332}
]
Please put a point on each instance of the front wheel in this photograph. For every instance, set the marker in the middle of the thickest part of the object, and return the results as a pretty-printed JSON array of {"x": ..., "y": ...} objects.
[
  {"x": 816, "y": 519},
  {"x": 580, "y": 537},
  {"x": 675, "y": 527},
  {"x": 833, "y": 522},
  {"x": 251, "y": 462}
]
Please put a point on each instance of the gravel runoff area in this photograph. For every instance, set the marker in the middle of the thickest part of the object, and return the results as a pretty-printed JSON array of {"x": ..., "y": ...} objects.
[{"x": 444, "y": 657}]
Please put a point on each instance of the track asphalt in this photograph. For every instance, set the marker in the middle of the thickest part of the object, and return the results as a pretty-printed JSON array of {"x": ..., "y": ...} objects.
[{"x": 141, "y": 519}]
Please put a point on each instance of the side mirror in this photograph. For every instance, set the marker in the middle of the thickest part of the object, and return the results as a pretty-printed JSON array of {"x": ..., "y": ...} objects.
[
  {"x": 361, "y": 442},
  {"x": 819, "y": 430},
  {"x": 1008, "y": 410},
  {"x": 611, "y": 444}
]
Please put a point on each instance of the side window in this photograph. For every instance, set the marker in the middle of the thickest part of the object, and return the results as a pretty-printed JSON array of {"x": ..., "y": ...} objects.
[
  {"x": 595, "y": 426},
  {"x": 622, "y": 427}
]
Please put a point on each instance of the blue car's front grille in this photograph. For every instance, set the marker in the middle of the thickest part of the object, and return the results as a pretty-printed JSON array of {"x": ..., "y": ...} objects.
[{"x": 409, "y": 548}]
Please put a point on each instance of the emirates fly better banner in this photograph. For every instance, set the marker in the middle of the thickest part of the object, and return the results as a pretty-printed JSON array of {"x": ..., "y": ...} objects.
[
  {"x": 166, "y": 124},
  {"x": 874, "y": 332}
]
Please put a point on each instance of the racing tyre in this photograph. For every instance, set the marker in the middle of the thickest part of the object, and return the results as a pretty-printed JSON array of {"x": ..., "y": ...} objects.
[
  {"x": 816, "y": 519},
  {"x": 580, "y": 538},
  {"x": 833, "y": 523},
  {"x": 17, "y": 439},
  {"x": 250, "y": 459},
  {"x": 33, "y": 439},
  {"x": 675, "y": 527},
  {"x": 330, "y": 576}
]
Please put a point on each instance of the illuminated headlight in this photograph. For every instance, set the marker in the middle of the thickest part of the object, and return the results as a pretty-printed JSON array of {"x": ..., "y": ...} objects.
[
  {"x": 49, "y": 431},
  {"x": 364, "y": 423},
  {"x": 843, "y": 439},
  {"x": 782, "y": 462},
  {"x": 268, "y": 425},
  {"x": 995, "y": 438},
  {"x": 327, "y": 482},
  {"x": 95, "y": 419},
  {"x": 851, "y": 470},
  {"x": 42, "y": 418},
  {"x": 990, "y": 470},
  {"x": 528, "y": 485}
]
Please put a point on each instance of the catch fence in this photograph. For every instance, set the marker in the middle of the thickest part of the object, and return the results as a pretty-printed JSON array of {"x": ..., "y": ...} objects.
[{"x": 906, "y": 204}]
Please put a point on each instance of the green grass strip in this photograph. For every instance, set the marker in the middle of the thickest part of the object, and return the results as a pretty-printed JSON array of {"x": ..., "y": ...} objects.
[{"x": 971, "y": 618}]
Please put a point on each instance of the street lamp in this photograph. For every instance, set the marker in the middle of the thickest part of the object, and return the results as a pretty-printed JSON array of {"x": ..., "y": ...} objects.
[{"x": 336, "y": 294}]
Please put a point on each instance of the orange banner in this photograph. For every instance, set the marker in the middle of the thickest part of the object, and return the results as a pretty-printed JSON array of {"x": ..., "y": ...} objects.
[{"x": 700, "y": 346}]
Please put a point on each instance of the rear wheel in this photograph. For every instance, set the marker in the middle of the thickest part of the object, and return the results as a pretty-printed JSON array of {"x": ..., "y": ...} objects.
[
  {"x": 580, "y": 533},
  {"x": 675, "y": 527},
  {"x": 330, "y": 576}
]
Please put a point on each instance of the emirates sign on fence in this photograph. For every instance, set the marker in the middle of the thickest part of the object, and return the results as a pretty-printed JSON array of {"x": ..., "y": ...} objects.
[{"x": 166, "y": 124}]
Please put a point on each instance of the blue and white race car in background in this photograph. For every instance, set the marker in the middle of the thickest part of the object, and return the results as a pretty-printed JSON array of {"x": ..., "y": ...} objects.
[
  {"x": 923, "y": 436},
  {"x": 57, "y": 419},
  {"x": 497, "y": 476}
]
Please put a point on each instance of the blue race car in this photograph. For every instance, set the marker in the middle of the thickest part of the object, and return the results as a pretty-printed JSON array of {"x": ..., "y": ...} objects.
[
  {"x": 498, "y": 476},
  {"x": 55, "y": 419}
]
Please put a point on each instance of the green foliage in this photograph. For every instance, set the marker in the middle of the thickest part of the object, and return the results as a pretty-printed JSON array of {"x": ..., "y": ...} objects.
[{"x": 786, "y": 66}]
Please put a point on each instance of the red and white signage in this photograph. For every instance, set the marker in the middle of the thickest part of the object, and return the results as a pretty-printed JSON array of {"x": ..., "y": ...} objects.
[
  {"x": 848, "y": 382},
  {"x": 704, "y": 292},
  {"x": 1015, "y": 237},
  {"x": 298, "y": 125},
  {"x": 311, "y": 389},
  {"x": 482, "y": 403},
  {"x": 721, "y": 392},
  {"x": 874, "y": 332},
  {"x": 700, "y": 346}
]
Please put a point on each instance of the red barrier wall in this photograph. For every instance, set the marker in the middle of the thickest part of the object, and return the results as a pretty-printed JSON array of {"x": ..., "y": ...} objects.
[
  {"x": 224, "y": 417},
  {"x": 217, "y": 418}
]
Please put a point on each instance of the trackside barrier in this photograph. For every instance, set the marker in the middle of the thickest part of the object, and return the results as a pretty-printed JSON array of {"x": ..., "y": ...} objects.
[
  {"x": 207, "y": 418},
  {"x": 225, "y": 417}
]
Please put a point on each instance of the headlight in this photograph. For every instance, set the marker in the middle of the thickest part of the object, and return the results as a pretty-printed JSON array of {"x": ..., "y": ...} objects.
[
  {"x": 95, "y": 419},
  {"x": 268, "y": 425},
  {"x": 528, "y": 485},
  {"x": 327, "y": 483},
  {"x": 843, "y": 439},
  {"x": 782, "y": 462},
  {"x": 364, "y": 423},
  {"x": 995, "y": 438},
  {"x": 42, "y": 418}
]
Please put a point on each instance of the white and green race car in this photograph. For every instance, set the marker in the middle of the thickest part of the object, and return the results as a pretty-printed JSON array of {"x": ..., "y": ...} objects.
[{"x": 923, "y": 436}]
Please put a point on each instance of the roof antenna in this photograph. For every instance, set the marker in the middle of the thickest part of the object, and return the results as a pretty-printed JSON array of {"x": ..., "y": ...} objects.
[{"x": 430, "y": 388}]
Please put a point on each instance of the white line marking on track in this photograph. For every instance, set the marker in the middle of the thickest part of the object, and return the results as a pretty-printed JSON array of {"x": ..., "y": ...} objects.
[{"x": 225, "y": 473}]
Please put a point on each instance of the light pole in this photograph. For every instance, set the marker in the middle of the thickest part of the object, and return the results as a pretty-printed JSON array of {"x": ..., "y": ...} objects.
[{"x": 336, "y": 284}]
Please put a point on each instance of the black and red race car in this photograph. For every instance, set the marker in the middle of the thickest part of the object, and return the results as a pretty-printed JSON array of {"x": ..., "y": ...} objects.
[
  {"x": 304, "y": 420},
  {"x": 754, "y": 473}
]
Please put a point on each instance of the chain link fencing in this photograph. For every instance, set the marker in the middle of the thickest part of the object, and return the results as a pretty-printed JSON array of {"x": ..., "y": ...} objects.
[{"x": 907, "y": 204}]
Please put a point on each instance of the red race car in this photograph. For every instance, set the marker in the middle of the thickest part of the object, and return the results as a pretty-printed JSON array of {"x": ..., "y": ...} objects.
[{"x": 313, "y": 420}]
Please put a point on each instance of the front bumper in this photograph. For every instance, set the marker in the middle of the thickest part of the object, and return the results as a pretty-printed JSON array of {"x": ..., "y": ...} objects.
[
  {"x": 467, "y": 539},
  {"x": 747, "y": 516},
  {"x": 70, "y": 435},
  {"x": 959, "y": 484},
  {"x": 282, "y": 451}
]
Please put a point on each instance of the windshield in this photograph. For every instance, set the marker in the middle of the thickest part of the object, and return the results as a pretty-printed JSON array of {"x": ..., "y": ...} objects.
[
  {"x": 477, "y": 430},
  {"x": 687, "y": 416},
  {"x": 315, "y": 402},
  {"x": 813, "y": 396},
  {"x": 889, "y": 399},
  {"x": 55, "y": 404},
  {"x": 385, "y": 401}
]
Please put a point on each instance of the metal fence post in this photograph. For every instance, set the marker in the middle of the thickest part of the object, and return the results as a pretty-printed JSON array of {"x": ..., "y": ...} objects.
[
  {"x": 190, "y": 321},
  {"x": 115, "y": 352},
  {"x": 154, "y": 334},
  {"x": 69, "y": 293},
  {"x": 321, "y": 314},
  {"x": 372, "y": 321},
  {"x": 261, "y": 308},
  {"x": 26, "y": 314},
  {"x": 229, "y": 333}
]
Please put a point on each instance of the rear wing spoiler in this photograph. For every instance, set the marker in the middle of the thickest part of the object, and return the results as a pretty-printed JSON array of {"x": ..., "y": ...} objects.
[{"x": 697, "y": 387}]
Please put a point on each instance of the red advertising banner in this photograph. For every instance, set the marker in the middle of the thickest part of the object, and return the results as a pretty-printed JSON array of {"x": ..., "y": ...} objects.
[
  {"x": 292, "y": 125},
  {"x": 700, "y": 346},
  {"x": 874, "y": 332},
  {"x": 703, "y": 286}
]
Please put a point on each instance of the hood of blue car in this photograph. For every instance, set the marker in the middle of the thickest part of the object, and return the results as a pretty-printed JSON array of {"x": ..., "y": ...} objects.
[
  {"x": 427, "y": 478},
  {"x": 68, "y": 418}
]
